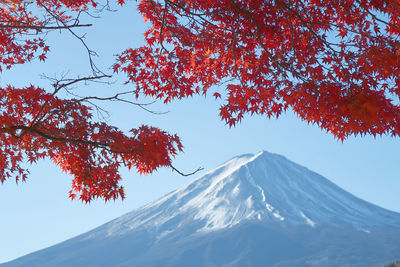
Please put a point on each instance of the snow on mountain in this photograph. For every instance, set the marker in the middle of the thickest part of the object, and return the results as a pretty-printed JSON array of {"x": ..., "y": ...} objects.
[
  {"x": 262, "y": 205},
  {"x": 263, "y": 187}
]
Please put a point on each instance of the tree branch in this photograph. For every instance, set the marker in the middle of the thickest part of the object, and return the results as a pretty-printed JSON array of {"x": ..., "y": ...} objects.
[
  {"x": 38, "y": 27},
  {"x": 185, "y": 174}
]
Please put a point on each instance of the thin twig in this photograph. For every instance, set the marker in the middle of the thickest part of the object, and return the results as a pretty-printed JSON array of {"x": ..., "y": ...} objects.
[
  {"x": 185, "y": 174},
  {"x": 37, "y": 27}
]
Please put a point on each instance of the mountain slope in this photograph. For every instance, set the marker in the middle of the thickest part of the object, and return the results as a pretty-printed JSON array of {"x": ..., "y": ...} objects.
[
  {"x": 256, "y": 187},
  {"x": 251, "y": 210}
]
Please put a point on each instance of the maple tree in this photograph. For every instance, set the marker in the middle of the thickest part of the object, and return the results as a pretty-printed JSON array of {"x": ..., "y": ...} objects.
[
  {"x": 37, "y": 124},
  {"x": 334, "y": 63}
]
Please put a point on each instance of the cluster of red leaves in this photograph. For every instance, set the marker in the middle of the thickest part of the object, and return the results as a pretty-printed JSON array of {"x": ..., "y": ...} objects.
[
  {"x": 35, "y": 124},
  {"x": 334, "y": 63},
  {"x": 13, "y": 50},
  {"x": 18, "y": 24}
]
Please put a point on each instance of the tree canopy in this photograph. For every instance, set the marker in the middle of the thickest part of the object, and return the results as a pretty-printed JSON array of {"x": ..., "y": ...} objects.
[{"x": 333, "y": 63}]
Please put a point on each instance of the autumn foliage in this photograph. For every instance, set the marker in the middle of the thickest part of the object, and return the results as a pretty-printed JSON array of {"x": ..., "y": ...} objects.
[
  {"x": 39, "y": 125},
  {"x": 334, "y": 63},
  {"x": 36, "y": 124}
]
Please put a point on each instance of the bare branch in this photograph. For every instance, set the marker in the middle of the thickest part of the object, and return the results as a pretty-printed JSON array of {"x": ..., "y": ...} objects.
[
  {"x": 186, "y": 174},
  {"x": 58, "y": 85},
  {"x": 96, "y": 71}
]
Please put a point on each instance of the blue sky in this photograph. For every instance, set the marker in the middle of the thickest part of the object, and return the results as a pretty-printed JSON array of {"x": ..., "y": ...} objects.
[{"x": 38, "y": 213}]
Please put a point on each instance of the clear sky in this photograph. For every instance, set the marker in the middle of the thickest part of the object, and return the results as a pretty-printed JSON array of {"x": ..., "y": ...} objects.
[{"x": 38, "y": 213}]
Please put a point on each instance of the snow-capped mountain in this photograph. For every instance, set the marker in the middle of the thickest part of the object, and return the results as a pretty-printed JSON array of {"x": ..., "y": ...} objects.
[
  {"x": 251, "y": 210},
  {"x": 263, "y": 187}
]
